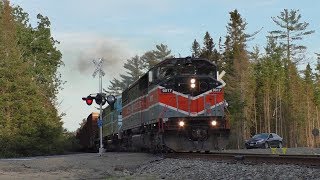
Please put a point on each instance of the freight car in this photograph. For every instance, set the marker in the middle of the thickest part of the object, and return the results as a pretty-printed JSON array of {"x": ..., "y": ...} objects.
[
  {"x": 178, "y": 105},
  {"x": 87, "y": 134}
]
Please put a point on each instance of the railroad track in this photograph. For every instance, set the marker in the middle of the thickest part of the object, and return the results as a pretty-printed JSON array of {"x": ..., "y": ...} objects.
[{"x": 249, "y": 158}]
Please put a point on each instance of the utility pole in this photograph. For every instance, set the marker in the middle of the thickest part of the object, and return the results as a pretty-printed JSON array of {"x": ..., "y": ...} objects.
[{"x": 99, "y": 70}]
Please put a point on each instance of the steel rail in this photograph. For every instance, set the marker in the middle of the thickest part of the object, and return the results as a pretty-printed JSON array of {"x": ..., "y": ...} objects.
[{"x": 249, "y": 158}]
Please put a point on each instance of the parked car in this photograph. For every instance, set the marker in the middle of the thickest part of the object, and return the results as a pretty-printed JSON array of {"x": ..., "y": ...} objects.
[{"x": 264, "y": 140}]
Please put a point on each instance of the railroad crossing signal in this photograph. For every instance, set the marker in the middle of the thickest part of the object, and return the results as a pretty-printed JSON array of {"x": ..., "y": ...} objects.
[
  {"x": 88, "y": 99},
  {"x": 100, "y": 98},
  {"x": 219, "y": 78},
  {"x": 111, "y": 100},
  {"x": 98, "y": 69}
]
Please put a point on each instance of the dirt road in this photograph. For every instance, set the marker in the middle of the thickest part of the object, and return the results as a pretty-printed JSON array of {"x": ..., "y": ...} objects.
[{"x": 76, "y": 166}]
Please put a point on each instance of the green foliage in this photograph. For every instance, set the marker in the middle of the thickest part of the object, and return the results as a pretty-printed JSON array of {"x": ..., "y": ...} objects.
[
  {"x": 153, "y": 57},
  {"x": 208, "y": 51},
  {"x": 134, "y": 69},
  {"x": 317, "y": 82},
  {"x": 208, "y": 45},
  {"x": 293, "y": 110},
  {"x": 29, "y": 122},
  {"x": 195, "y": 49}
]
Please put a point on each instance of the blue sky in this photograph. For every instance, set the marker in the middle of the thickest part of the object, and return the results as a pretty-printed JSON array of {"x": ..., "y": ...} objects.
[{"x": 119, "y": 29}]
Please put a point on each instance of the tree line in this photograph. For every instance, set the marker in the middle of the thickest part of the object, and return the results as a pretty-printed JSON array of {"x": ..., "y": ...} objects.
[
  {"x": 29, "y": 83},
  {"x": 266, "y": 90}
]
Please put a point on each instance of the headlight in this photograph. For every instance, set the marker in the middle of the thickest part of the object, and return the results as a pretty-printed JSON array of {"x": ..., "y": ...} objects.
[
  {"x": 192, "y": 83},
  {"x": 214, "y": 123},
  {"x": 181, "y": 123}
]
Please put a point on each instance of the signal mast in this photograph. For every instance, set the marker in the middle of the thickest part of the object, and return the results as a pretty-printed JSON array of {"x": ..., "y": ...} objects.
[{"x": 100, "y": 98}]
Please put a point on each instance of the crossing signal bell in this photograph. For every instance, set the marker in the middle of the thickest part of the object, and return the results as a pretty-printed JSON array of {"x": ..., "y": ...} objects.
[{"x": 88, "y": 99}]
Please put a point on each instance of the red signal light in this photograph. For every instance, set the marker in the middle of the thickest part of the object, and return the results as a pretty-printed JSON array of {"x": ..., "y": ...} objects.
[{"x": 89, "y": 100}]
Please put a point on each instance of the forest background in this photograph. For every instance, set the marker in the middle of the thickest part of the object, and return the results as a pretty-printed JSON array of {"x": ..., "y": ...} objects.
[{"x": 266, "y": 88}]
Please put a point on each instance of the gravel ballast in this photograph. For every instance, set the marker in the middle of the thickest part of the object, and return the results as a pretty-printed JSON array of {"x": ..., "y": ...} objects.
[{"x": 144, "y": 166}]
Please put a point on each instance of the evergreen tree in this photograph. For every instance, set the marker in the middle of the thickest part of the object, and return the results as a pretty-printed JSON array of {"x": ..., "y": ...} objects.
[
  {"x": 292, "y": 30},
  {"x": 269, "y": 78},
  {"x": 227, "y": 56},
  {"x": 317, "y": 81},
  {"x": 208, "y": 45},
  {"x": 317, "y": 94},
  {"x": 195, "y": 49},
  {"x": 208, "y": 50},
  {"x": 238, "y": 77},
  {"x": 134, "y": 70},
  {"x": 153, "y": 57},
  {"x": 116, "y": 87},
  {"x": 308, "y": 123}
]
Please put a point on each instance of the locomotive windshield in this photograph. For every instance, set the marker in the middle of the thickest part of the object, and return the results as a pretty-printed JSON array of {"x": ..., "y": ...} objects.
[
  {"x": 186, "y": 67},
  {"x": 176, "y": 74}
]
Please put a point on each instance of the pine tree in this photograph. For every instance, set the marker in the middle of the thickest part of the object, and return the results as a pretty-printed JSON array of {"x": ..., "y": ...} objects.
[
  {"x": 153, "y": 57},
  {"x": 208, "y": 50},
  {"x": 309, "y": 122},
  {"x": 238, "y": 76},
  {"x": 134, "y": 70},
  {"x": 317, "y": 81},
  {"x": 317, "y": 94},
  {"x": 208, "y": 45},
  {"x": 195, "y": 49},
  {"x": 293, "y": 30}
]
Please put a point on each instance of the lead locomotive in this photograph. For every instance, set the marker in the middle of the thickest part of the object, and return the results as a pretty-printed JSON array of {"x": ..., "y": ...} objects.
[{"x": 178, "y": 105}]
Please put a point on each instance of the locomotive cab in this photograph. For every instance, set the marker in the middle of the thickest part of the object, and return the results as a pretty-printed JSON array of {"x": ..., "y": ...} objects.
[{"x": 185, "y": 75}]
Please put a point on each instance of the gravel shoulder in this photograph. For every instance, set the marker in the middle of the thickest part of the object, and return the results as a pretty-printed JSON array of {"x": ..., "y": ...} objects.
[
  {"x": 76, "y": 166},
  {"x": 143, "y": 166}
]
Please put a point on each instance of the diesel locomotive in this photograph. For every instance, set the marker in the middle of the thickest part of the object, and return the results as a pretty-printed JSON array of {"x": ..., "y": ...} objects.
[{"x": 178, "y": 105}]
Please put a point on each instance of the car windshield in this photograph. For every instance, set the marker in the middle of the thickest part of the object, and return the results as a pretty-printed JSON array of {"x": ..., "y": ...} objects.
[{"x": 261, "y": 136}]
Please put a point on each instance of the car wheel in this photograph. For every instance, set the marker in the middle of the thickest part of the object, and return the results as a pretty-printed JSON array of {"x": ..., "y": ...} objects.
[
  {"x": 280, "y": 144},
  {"x": 266, "y": 145}
]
